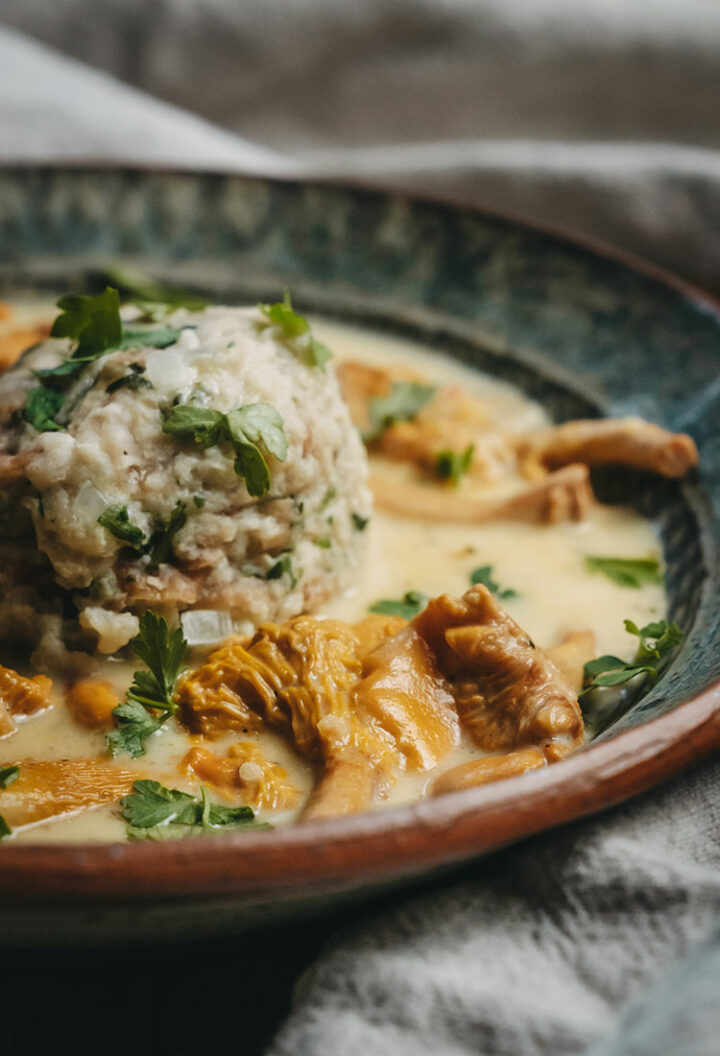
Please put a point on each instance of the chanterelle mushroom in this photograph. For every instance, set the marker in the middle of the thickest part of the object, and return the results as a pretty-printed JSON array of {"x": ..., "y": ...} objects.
[
  {"x": 364, "y": 716},
  {"x": 508, "y": 693},
  {"x": 554, "y": 459}
]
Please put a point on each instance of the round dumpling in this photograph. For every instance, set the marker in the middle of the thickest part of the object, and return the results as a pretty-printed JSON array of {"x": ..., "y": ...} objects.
[{"x": 209, "y": 468}]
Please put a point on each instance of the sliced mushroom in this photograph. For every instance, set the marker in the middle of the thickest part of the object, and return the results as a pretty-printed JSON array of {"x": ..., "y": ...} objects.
[
  {"x": 492, "y": 768},
  {"x": 605, "y": 441},
  {"x": 561, "y": 496},
  {"x": 65, "y": 786}
]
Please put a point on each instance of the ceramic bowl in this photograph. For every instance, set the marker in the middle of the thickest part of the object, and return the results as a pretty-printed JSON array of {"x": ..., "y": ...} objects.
[{"x": 579, "y": 327}]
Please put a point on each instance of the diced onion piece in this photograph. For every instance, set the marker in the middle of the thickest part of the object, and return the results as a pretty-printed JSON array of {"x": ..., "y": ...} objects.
[
  {"x": 89, "y": 503},
  {"x": 206, "y": 626}
]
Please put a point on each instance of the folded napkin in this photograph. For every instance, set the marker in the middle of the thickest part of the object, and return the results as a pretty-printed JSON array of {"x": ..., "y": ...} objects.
[{"x": 601, "y": 117}]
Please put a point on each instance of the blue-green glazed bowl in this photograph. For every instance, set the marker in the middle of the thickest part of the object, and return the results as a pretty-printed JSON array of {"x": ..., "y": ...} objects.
[{"x": 580, "y": 328}]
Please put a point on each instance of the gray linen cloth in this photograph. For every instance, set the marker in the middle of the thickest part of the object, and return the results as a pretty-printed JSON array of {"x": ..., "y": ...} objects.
[{"x": 599, "y": 116}]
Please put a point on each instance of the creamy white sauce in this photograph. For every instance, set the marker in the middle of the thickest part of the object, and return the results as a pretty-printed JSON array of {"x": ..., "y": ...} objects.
[{"x": 544, "y": 564}]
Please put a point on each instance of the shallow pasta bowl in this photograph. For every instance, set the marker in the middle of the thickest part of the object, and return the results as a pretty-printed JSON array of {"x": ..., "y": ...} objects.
[{"x": 579, "y": 328}]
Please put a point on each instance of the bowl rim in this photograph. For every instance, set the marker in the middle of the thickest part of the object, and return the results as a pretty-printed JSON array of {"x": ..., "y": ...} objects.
[
  {"x": 396, "y": 842},
  {"x": 364, "y": 848}
]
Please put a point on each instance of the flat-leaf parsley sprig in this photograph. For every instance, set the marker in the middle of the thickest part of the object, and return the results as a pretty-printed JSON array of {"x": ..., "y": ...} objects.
[
  {"x": 253, "y": 431},
  {"x": 405, "y": 400},
  {"x": 408, "y": 606},
  {"x": 656, "y": 642},
  {"x": 626, "y": 571},
  {"x": 295, "y": 331},
  {"x": 484, "y": 575},
  {"x": 149, "y": 700},
  {"x": 93, "y": 323},
  {"x": 154, "y": 812}
]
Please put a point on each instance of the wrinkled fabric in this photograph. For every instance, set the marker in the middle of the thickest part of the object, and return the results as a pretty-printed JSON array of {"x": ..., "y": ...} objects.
[
  {"x": 601, "y": 117},
  {"x": 540, "y": 951}
]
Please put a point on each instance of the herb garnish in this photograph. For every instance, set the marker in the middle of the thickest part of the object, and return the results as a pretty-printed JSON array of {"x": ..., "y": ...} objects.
[
  {"x": 147, "y": 337},
  {"x": 41, "y": 407},
  {"x": 657, "y": 640},
  {"x": 155, "y": 812},
  {"x": 282, "y": 567},
  {"x": 406, "y": 399},
  {"x": 411, "y": 603},
  {"x": 5, "y": 829},
  {"x": 134, "y": 380},
  {"x": 117, "y": 521},
  {"x": 158, "y": 548},
  {"x": 453, "y": 465},
  {"x": 248, "y": 429},
  {"x": 483, "y": 575},
  {"x": 156, "y": 299},
  {"x": 94, "y": 324},
  {"x": 8, "y": 774},
  {"x": 360, "y": 523},
  {"x": 149, "y": 700},
  {"x": 626, "y": 571},
  {"x": 295, "y": 330},
  {"x": 160, "y": 545}
]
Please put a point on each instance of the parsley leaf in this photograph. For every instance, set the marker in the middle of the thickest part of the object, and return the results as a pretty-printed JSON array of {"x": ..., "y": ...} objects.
[
  {"x": 163, "y": 651},
  {"x": 160, "y": 545},
  {"x": 411, "y": 603},
  {"x": 453, "y": 465},
  {"x": 261, "y": 424},
  {"x": 5, "y": 829},
  {"x": 152, "y": 804},
  {"x": 657, "y": 640},
  {"x": 483, "y": 575},
  {"x": 134, "y": 380},
  {"x": 219, "y": 815},
  {"x": 406, "y": 399},
  {"x": 155, "y": 812},
  {"x": 202, "y": 424},
  {"x": 134, "y": 725},
  {"x": 295, "y": 329},
  {"x": 146, "y": 337},
  {"x": 155, "y": 297},
  {"x": 41, "y": 407},
  {"x": 282, "y": 567},
  {"x": 94, "y": 322},
  {"x": 248, "y": 429},
  {"x": 8, "y": 774},
  {"x": 626, "y": 571},
  {"x": 117, "y": 521},
  {"x": 360, "y": 523}
]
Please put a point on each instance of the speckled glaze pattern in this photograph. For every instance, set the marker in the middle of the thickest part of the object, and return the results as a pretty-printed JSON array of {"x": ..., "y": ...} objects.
[{"x": 579, "y": 329}]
